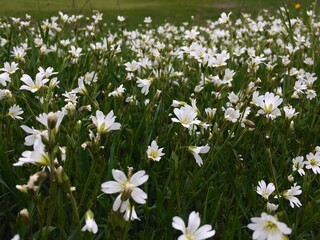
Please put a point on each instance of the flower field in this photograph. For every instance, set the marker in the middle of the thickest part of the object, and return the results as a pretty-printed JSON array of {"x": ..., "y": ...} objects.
[{"x": 171, "y": 131}]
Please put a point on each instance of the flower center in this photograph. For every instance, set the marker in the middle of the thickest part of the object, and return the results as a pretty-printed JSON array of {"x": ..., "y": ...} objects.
[
  {"x": 313, "y": 162},
  {"x": 185, "y": 120},
  {"x": 153, "y": 154},
  {"x": 268, "y": 108},
  {"x": 189, "y": 236},
  {"x": 270, "y": 225},
  {"x": 127, "y": 189}
]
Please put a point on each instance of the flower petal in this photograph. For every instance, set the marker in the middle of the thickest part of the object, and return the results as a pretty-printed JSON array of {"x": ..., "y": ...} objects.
[
  {"x": 178, "y": 224},
  {"x": 119, "y": 176},
  {"x": 139, "y": 178},
  {"x": 111, "y": 187},
  {"x": 139, "y": 196}
]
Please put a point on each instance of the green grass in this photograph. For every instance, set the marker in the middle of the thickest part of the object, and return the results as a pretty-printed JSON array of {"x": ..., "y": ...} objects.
[
  {"x": 160, "y": 10},
  {"x": 223, "y": 189}
]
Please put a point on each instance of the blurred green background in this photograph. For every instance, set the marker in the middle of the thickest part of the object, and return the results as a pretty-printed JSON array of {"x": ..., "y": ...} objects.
[{"x": 135, "y": 10}]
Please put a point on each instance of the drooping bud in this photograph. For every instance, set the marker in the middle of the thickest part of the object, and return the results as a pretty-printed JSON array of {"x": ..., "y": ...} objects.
[{"x": 249, "y": 123}]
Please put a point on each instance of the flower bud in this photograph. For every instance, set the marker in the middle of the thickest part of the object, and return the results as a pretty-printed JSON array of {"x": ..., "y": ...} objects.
[
  {"x": 249, "y": 123},
  {"x": 24, "y": 214},
  {"x": 290, "y": 178},
  {"x": 52, "y": 120},
  {"x": 272, "y": 207}
]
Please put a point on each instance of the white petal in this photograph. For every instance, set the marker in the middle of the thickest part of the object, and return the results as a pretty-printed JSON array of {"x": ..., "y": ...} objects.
[
  {"x": 204, "y": 232},
  {"x": 111, "y": 187},
  {"x": 115, "y": 126},
  {"x": 198, "y": 159},
  {"x": 139, "y": 196},
  {"x": 182, "y": 237},
  {"x": 123, "y": 206},
  {"x": 178, "y": 224},
  {"x": 119, "y": 176},
  {"x": 117, "y": 203},
  {"x": 193, "y": 222},
  {"x": 139, "y": 178}
]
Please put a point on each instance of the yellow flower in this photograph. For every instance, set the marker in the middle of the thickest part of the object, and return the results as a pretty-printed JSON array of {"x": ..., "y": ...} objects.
[{"x": 297, "y": 6}]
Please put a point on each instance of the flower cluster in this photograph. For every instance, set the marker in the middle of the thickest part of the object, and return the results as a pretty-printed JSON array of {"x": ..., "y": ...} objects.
[{"x": 203, "y": 112}]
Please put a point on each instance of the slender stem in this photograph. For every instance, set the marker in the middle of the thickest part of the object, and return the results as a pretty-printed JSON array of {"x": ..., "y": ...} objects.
[
  {"x": 75, "y": 210},
  {"x": 126, "y": 232}
]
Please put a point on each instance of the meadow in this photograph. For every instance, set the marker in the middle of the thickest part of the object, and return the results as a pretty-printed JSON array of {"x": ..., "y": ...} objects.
[
  {"x": 199, "y": 128},
  {"x": 174, "y": 11}
]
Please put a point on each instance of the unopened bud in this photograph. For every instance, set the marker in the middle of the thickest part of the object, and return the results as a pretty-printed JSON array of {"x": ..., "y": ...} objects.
[
  {"x": 24, "y": 214},
  {"x": 290, "y": 178},
  {"x": 78, "y": 126},
  {"x": 61, "y": 175},
  {"x": 86, "y": 108},
  {"x": 292, "y": 125},
  {"x": 130, "y": 171},
  {"x": 249, "y": 123},
  {"x": 22, "y": 188},
  {"x": 52, "y": 120}
]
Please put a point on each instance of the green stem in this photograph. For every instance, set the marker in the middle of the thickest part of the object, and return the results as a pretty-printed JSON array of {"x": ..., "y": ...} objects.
[{"x": 126, "y": 232}]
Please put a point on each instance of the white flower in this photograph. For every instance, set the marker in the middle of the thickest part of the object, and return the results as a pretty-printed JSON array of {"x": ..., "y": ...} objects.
[
  {"x": 298, "y": 165},
  {"x": 130, "y": 211},
  {"x": 127, "y": 187},
  {"x": 191, "y": 34},
  {"x": 219, "y": 60},
  {"x": 71, "y": 97},
  {"x": 90, "y": 77},
  {"x": 291, "y": 193},
  {"x": 5, "y": 93},
  {"x": 231, "y": 115},
  {"x": 121, "y": 18},
  {"x": 224, "y": 18},
  {"x": 16, "y": 237},
  {"x": 18, "y": 53},
  {"x": 132, "y": 66},
  {"x": 186, "y": 115},
  {"x": 4, "y": 78},
  {"x": 75, "y": 52},
  {"x": 269, "y": 105},
  {"x": 265, "y": 190},
  {"x": 267, "y": 227},
  {"x": 272, "y": 207},
  {"x": 118, "y": 92},
  {"x": 144, "y": 84},
  {"x": 33, "y": 86},
  {"x": 289, "y": 112},
  {"x": 313, "y": 162},
  {"x": 105, "y": 123},
  {"x": 154, "y": 152},
  {"x": 197, "y": 150},
  {"x": 37, "y": 156},
  {"x": 147, "y": 20},
  {"x": 51, "y": 120},
  {"x": 311, "y": 94},
  {"x": 193, "y": 231},
  {"x": 15, "y": 111},
  {"x": 48, "y": 72},
  {"x": 211, "y": 112},
  {"x": 81, "y": 87},
  {"x": 91, "y": 224},
  {"x": 31, "y": 185},
  {"x": 299, "y": 87},
  {"x": 34, "y": 135}
]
